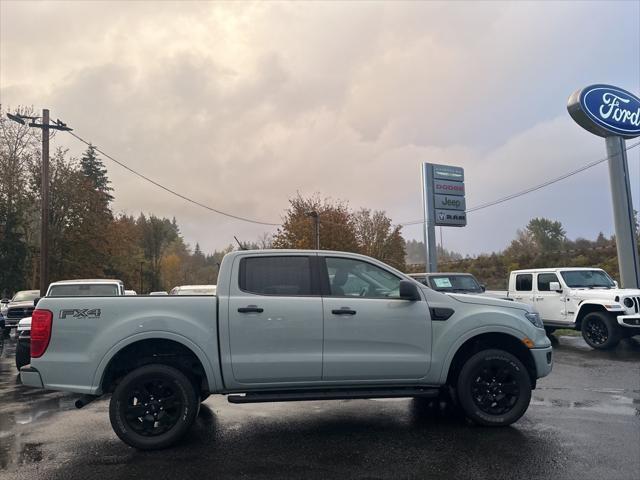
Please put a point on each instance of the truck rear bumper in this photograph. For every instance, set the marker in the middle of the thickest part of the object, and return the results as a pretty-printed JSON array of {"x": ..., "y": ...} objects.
[
  {"x": 629, "y": 321},
  {"x": 543, "y": 357},
  {"x": 30, "y": 377}
]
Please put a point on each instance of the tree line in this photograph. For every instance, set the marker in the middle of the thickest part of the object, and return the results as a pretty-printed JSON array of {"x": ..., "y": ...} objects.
[
  {"x": 88, "y": 240},
  {"x": 542, "y": 243}
]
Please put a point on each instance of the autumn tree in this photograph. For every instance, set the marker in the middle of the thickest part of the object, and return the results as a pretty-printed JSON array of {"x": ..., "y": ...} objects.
[
  {"x": 377, "y": 237},
  {"x": 337, "y": 226},
  {"x": 18, "y": 148}
]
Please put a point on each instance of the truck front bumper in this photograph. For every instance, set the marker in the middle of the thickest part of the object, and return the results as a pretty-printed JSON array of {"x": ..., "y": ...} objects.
[
  {"x": 30, "y": 377},
  {"x": 629, "y": 321},
  {"x": 543, "y": 358}
]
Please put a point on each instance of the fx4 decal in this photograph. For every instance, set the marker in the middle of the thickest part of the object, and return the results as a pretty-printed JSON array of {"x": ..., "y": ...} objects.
[{"x": 80, "y": 313}]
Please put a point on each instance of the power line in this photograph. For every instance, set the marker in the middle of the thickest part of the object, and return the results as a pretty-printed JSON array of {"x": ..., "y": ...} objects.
[
  {"x": 173, "y": 192},
  {"x": 413, "y": 222},
  {"x": 530, "y": 189}
]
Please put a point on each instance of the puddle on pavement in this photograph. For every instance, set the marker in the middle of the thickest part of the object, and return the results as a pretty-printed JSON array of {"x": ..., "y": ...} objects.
[
  {"x": 20, "y": 407},
  {"x": 615, "y": 404}
]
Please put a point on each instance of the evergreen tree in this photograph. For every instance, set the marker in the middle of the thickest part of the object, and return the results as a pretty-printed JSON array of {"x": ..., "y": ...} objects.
[{"x": 93, "y": 168}]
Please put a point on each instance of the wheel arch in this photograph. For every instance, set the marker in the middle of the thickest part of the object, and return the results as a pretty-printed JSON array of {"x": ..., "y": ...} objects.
[
  {"x": 491, "y": 340},
  {"x": 585, "y": 308},
  {"x": 163, "y": 347}
]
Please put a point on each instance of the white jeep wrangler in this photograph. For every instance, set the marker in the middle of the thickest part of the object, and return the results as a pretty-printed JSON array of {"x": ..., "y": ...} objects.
[{"x": 584, "y": 299}]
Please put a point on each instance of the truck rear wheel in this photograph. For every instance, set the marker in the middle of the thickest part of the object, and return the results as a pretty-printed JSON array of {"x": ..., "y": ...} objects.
[
  {"x": 600, "y": 331},
  {"x": 153, "y": 407},
  {"x": 494, "y": 388}
]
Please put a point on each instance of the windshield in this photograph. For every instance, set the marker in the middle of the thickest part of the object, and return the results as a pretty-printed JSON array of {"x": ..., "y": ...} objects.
[
  {"x": 587, "y": 279},
  {"x": 83, "y": 290},
  {"x": 26, "y": 296},
  {"x": 455, "y": 283}
]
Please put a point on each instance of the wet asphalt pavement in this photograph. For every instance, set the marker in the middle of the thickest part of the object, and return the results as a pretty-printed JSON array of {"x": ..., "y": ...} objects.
[{"x": 583, "y": 423}]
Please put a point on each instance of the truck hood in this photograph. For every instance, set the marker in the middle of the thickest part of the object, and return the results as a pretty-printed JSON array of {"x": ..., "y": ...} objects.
[
  {"x": 485, "y": 300},
  {"x": 603, "y": 294},
  {"x": 24, "y": 304}
]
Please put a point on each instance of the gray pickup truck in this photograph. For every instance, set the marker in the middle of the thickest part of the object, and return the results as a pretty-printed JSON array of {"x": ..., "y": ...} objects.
[{"x": 287, "y": 325}]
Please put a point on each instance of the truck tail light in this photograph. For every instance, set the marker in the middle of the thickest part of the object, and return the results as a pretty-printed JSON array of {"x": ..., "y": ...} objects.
[{"x": 40, "y": 332}]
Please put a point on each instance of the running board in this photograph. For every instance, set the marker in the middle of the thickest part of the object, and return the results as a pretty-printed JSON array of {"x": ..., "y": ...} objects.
[{"x": 302, "y": 395}]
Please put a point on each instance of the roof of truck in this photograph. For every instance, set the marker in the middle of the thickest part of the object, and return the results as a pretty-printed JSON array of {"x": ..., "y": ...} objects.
[
  {"x": 554, "y": 269},
  {"x": 88, "y": 280}
]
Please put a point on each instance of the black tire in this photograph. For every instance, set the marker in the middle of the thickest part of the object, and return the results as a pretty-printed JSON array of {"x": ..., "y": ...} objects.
[
  {"x": 494, "y": 388},
  {"x": 145, "y": 397},
  {"x": 23, "y": 354},
  {"x": 600, "y": 331}
]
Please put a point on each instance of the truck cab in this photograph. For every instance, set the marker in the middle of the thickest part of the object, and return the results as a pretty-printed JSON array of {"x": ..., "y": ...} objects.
[{"x": 584, "y": 299}]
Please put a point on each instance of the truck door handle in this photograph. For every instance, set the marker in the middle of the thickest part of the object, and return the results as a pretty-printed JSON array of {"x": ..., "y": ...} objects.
[
  {"x": 539, "y": 298},
  {"x": 343, "y": 311},
  {"x": 251, "y": 309}
]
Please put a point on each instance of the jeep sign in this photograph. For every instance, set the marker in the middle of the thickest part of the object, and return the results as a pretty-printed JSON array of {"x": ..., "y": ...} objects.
[
  {"x": 447, "y": 202},
  {"x": 605, "y": 110}
]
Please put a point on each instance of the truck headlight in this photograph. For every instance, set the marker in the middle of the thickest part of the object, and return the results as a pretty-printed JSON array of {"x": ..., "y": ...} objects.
[
  {"x": 628, "y": 302},
  {"x": 534, "y": 318}
]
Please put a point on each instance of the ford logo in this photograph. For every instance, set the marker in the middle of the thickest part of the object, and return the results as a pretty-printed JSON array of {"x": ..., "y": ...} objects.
[{"x": 606, "y": 110}]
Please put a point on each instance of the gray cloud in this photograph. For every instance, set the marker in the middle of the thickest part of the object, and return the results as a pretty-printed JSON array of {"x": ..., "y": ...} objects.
[{"x": 242, "y": 105}]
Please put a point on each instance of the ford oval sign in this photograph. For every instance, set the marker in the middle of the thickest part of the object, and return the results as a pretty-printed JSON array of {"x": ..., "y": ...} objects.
[{"x": 606, "y": 110}]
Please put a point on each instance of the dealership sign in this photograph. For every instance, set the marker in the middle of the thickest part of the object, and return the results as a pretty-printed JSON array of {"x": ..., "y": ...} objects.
[
  {"x": 444, "y": 195},
  {"x": 606, "y": 111}
]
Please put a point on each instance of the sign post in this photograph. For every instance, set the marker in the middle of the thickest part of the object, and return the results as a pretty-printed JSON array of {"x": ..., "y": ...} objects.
[
  {"x": 444, "y": 205},
  {"x": 614, "y": 114}
]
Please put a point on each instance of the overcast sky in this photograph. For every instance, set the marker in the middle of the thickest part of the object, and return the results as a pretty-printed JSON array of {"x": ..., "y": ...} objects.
[{"x": 241, "y": 105}]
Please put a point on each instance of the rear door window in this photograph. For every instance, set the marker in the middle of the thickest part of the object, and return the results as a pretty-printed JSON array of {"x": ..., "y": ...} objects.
[
  {"x": 524, "y": 282},
  {"x": 277, "y": 275}
]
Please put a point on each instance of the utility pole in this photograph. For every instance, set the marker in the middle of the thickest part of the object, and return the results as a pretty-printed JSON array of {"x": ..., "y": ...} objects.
[
  {"x": 44, "y": 186},
  {"x": 44, "y": 220},
  {"x": 316, "y": 225}
]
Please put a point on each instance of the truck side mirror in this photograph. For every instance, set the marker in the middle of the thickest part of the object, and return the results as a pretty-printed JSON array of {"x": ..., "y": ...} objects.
[
  {"x": 409, "y": 291},
  {"x": 483, "y": 287},
  {"x": 35, "y": 301},
  {"x": 555, "y": 287},
  {"x": 615, "y": 282}
]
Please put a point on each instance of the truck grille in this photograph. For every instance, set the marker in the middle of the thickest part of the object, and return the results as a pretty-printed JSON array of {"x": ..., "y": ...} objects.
[
  {"x": 19, "y": 313},
  {"x": 636, "y": 304}
]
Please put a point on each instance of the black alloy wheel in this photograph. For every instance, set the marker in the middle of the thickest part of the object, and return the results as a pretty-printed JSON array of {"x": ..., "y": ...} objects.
[
  {"x": 494, "y": 388},
  {"x": 153, "y": 407},
  {"x": 600, "y": 331}
]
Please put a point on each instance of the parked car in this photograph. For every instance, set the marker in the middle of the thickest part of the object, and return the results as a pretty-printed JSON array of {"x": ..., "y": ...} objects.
[
  {"x": 287, "y": 325},
  {"x": 153, "y": 294},
  {"x": 450, "y": 282},
  {"x": 194, "y": 290},
  {"x": 4, "y": 305},
  {"x": 20, "y": 306},
  {"x": 64, "y": 288},
  {"x": 584, "y": 299},
  {"x": 456, "y": 283},
  {"x": 130, "y": 292},
  {"x": 23, "y": 344}
]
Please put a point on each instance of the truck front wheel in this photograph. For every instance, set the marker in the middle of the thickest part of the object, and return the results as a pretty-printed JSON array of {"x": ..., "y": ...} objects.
[
  {"x": 494, "y": 388},
  {"x": 153, "y": 407},
  {"x": 600, "y": 331}
]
